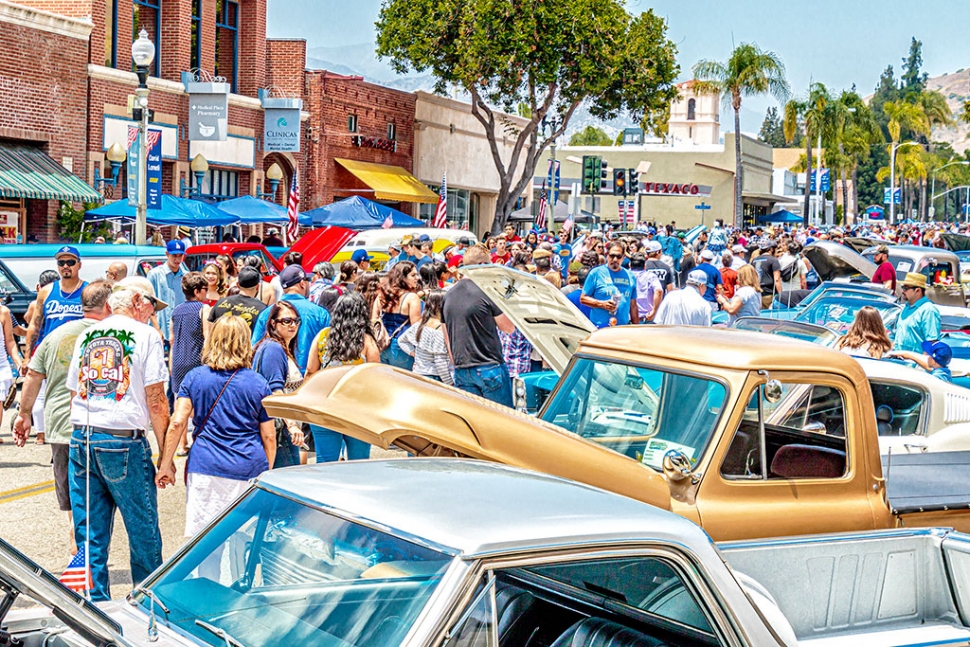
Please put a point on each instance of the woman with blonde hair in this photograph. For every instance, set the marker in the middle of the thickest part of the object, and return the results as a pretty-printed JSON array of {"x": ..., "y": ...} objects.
[
  {"x": 746, "y": 301},
  {"x": 216, "y": 286},
  {"x": 235, "y": 439},
  {"x": 867, "y": 337}
]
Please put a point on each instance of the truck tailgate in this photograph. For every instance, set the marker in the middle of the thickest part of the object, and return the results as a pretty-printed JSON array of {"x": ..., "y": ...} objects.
[{"x": 927, "y": 482}]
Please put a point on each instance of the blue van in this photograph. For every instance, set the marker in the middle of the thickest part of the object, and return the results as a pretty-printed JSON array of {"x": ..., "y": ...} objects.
[{"x": 28, "y": 261}]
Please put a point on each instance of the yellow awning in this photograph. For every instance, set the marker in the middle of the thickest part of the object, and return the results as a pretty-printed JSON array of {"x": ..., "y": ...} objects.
[{"x": 390, "y": 182}]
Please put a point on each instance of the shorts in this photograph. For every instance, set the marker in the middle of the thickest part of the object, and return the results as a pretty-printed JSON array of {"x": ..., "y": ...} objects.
[
  {"x": 37, "y": 413},
  {"x": 60, "y": 453},
  {"x": 206, "y": 497}
]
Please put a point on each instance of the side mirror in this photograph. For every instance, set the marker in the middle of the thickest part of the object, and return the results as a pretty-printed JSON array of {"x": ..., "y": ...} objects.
[
  {"x": 677, "y": 467},
  {"x": 815, "y": 428},
  {"x": 6, "y": 297},
  {"x": 773, "y": 391}
]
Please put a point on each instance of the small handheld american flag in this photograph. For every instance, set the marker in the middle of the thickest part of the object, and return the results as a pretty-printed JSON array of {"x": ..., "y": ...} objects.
[
  {"x": 293, "y": 227},
  {"x": 77, "y": 577},
  {"x": 441, "y": 212}
]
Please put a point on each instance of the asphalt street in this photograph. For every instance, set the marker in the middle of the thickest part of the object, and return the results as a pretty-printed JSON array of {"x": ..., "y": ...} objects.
[{"x": 31, "y": 522}]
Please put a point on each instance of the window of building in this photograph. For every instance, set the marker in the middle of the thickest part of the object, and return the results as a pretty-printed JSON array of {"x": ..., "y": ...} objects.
[
  {"x": 195, "y": 57},
  {"x": 352, "y": 123},
  {"x": 146, "y": 14},
  {"x": 219, "y": 184},
  {"x": 392, "y": 131},
  {"x": 691, "y": 108},
  {"x": 227, "y": 41},
  {"x": 460, "y": 207},
  {"x": 111, "y": 33}
]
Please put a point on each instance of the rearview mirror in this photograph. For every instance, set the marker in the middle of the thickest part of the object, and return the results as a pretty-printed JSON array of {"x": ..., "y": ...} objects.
[{"x": 773, "y": 391}]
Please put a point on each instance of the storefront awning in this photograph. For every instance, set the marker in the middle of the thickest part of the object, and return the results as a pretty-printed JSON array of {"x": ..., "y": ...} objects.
[
  {"x": 391, "y": 183},
  {"x": 768, "y": 199},
  {"x": 27, "y": 172}
]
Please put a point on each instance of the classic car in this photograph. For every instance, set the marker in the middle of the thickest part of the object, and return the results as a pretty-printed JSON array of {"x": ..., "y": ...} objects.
[
  {"x": 456, "y": 553},
  {"x": 940, "y": 266},
  {"x": 197, "y": 256},
  {"x": 376, "y": 241}
]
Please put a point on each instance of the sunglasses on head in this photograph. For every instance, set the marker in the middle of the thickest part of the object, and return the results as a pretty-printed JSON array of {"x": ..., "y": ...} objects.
[
  {"x": 68, "y": 262},
  {"x": 288, "y": 321}
]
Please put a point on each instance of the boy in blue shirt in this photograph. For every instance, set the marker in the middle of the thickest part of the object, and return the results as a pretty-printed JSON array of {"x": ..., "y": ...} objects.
[{"x": 935, "y": 360}]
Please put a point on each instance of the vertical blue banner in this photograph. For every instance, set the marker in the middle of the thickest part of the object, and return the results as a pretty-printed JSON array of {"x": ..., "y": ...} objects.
[
  {"x": 555, "y": 187},
  {"x": 131, "y": 172},
  {"x": 548, "y": 175}
]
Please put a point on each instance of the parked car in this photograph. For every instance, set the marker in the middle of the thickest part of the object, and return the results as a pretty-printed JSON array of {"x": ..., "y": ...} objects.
[
  {"x": 15, "y": 294},
  {"x": 316, "y": 245},
  {"x": 375, "y": 241},
  {"x": 28, "y": 261},
  {"x": 197, "y": 256},
  {"x": 427, "y": 553},
  {"x": 940, "y": 266}
]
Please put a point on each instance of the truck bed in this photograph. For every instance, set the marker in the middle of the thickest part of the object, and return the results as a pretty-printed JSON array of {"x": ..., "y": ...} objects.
[
  {"x": 885, "y": 588},
  {"x": 927, "y": 482}
]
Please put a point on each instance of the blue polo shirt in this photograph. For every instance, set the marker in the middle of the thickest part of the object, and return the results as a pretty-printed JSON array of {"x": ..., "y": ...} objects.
[
  {"x": 713, "y": 280},
  {"x": 168, "y": 287},
  {"x": 313, "y": 319},
  {"x": 917, "y": 323}
]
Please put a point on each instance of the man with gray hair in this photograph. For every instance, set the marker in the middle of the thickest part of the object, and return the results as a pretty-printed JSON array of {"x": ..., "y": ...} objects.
[
  {"x": 50, "y": 362},
  {"x": 117, "y": 379},
  {"x": 686, "y": 307}
]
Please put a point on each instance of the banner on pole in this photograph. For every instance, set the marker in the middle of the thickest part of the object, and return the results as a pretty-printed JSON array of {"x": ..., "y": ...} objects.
[{"x": 153, "y": 170}]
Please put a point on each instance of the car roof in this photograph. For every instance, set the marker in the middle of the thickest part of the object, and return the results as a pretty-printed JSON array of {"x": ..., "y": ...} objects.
[
  {"x": 86, "y": 250},
  {"x": 725, "y": 348},
  {"x": 476, "y": 508},
  {"x": 913, "y": 251}
]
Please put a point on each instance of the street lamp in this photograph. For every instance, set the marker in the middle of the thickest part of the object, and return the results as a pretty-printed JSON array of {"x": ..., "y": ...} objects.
[
  {"x": 142, "y": 53},
  {"x": 116, "y": 156},
  {"x": 274, "y": 174},
  {"x": 199, "y": 166},
  {"x": 892, "y": 179},
  {"x": 933, "y": 189}
]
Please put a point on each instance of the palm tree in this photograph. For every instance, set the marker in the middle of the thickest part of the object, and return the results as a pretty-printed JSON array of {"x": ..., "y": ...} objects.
[
  {"x": 853, "y": 130},
  {"x": 749, "y": 71},
  {"x": 792, "y": 125}
]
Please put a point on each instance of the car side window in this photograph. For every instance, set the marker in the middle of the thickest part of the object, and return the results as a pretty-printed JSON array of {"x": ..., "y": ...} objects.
[
  {"x": 899, "y": 408},
  {"x": 804, "y": 436}
]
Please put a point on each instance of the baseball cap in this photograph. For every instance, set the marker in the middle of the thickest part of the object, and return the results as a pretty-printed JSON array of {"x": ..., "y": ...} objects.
[
  {"x": 175, "y": 247},
  {"x": 360, "y": 255},
  {"x": 882, "y": 249},
  {"x": 653, "y": 247},
  {"x": 738, "y": 249},
  {"x": 465, "y": 240},
  {"x": 652, "y": 231},
  {"x": 67, "y": 250},
  {"x": 141, "y": 285},
  {"x": 707, "y": 255},
  {"x": 697, "y": 277},
  {"x": 681, "y": 235},
  {"x": 541, "y": 253},
  {"x": 272, "y": 231},
  {"x": 291, "y": 276},
  {"x": 249, "y": 277},
  {"x": 424, "y": 238},
  {"x": 939, "y": 351}
]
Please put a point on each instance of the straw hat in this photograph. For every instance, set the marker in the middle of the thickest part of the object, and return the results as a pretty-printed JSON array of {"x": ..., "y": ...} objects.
[{"x": 914, "y": 280}]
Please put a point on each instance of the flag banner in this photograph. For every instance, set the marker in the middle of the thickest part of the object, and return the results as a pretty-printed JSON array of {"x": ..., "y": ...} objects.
[
  {"x": 77, "y": 576},
  {"x": 555, "y": 186},
  {"x": 543, "y": 208},
  {"x": 441, "y": 211},
  {"x": 292, "y": 210},
  {"x": 568, "y": 225},
  {"x": 131, "y": 171},
  {"x": 388, "y": 223},
  {"x": 153, "y": 170}
]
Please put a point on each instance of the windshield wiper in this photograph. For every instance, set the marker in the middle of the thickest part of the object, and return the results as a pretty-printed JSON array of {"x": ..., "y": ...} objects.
[{"x": 222, "y": 633}]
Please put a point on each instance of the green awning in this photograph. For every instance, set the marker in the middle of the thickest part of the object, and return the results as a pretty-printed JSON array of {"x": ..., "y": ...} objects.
[{"x": 27, "y": 172}]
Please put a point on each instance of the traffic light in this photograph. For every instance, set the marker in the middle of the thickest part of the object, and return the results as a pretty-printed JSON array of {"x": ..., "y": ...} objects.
[
  {"x": 634, "y": 181},
  {"x": 591, "y": 178},
  {"x": 619, "y": 181},
  {"x": 602, "y": 176}
]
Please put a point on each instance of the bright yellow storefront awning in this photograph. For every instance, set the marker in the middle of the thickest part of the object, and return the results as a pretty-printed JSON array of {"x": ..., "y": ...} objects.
[{"x": 391, "y": 183}]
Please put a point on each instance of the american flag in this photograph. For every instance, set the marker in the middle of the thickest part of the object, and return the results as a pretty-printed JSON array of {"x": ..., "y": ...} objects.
[
  {"x": 388, "y": 222},
  {"x": 568, "y": 225},
  {"x": 132, "y": 136},
  {"x": 441, "y": 213},
  {"x": 153, "y": 137},
  {"x": 293, "y": 227},
  {"x": 543, "y": 208},
  {"x": 77, "y": 577}
]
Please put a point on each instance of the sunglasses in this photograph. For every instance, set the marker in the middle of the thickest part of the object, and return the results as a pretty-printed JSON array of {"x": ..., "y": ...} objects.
[
  {"x": 152, "y": 300},
  {"x": 614, "y": 255},
  {"x": 907, "y": 287},
  {"x": 67, "y": 262},
  {"x": 288, "y": 321}
]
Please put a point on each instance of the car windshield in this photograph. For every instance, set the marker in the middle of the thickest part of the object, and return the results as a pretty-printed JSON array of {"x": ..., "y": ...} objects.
[
  {"x": 838, "y": 314},
  {"x": 792, "y": 329},
  {"x": 638, "y": 411},
  {"x": 276, "y": 572}
]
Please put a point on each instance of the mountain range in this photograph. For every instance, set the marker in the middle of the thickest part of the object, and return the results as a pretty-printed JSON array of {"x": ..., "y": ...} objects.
[{"x": 956, "y": 88}]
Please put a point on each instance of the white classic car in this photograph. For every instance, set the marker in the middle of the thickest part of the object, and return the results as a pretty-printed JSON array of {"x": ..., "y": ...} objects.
[{"x": 458, "y": 553}]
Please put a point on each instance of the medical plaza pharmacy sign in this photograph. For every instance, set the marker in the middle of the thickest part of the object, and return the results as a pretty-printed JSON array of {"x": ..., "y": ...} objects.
[
  {"x": 208, "y": 111},
  {"x": 281, "y": 124}
]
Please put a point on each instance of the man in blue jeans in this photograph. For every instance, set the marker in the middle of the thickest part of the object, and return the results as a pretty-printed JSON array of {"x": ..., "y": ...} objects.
[
  {"x": 471, "y": 324},
  {"x": 117, "y": 380}
]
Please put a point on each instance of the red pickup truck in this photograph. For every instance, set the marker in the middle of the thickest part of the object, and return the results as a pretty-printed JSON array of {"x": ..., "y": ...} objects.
[{"x": 317, "y": 245}]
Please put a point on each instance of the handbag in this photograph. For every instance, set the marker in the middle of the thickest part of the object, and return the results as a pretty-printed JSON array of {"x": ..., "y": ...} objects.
[{"x": 379, "y": 333}]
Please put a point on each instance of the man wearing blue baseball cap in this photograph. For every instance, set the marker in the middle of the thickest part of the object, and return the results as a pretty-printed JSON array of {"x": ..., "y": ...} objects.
[
  {"x": 935, "y": 359},
  {"x": 362, "y": 258},
  {"x": 166, "y": 280},
  {"x": 59, "y": 302}
]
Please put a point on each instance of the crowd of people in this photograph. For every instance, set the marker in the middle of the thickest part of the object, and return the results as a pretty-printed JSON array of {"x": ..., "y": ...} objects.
[{"x": 189, "y": 356}]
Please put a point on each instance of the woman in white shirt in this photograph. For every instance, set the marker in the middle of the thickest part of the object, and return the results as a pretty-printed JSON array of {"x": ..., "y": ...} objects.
[
  {"x": 747, "y": 296},
  {"x": 867, "y": 337},
  {"x": 425, "y": 341}
]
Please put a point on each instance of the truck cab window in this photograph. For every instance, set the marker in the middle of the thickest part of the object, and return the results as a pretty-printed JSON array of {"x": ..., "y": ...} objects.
[
  {"x": 804, "y": 434},
  {"x": 899, "y": 408}
]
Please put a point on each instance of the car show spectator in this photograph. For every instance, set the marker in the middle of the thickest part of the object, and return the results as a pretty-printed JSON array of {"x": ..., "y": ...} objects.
[
  {"x": 166, "y": 280},
  {"x": 867, "y": 336},
  {"x": 686, "y": 307},
  {"x": 746, "y": 301},
  {"x": 919, "y": 320},
  {"x": 611, "y": 292}
]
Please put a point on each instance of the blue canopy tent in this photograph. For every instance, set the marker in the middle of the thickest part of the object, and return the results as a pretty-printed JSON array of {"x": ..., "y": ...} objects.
[
  {"x": 175, "y": 211},
  {"x": 252, "y": 211},
  {"x": 359, "y": 213},
  {"x": 783, "y": 216}
]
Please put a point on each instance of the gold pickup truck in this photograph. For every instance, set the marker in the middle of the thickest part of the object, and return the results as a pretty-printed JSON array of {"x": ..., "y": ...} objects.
[{"x": 747, "y": 435}]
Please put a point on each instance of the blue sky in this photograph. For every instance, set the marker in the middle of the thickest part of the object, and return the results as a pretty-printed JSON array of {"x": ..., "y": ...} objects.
[{"x": 838, "y": 42}]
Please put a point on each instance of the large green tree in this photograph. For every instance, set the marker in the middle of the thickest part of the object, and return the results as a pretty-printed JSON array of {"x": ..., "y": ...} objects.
[
  {"x": 551, "y": 56},
  {"x": 749, "y": 71},
  {"x": 590, "y": 136},
  {"x": 772, "y": 132}
]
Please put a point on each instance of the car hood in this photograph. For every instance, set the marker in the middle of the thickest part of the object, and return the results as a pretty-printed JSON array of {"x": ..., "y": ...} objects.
[
  {"x": 551, "y": 323},
  {"x": 21, "y": 574},
  {"x": 834, "y": 261},
  {"x": 382, "y": 405},
  {"x": 321, "y": 245}
]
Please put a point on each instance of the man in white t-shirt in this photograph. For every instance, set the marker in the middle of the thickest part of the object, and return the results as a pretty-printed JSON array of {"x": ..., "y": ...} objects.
[
  {"x": 686, "y": 307},
  {"x": 117, "y": 381}
]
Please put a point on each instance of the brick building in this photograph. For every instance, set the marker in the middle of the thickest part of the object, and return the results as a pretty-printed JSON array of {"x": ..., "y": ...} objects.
[
  {"x": 66, "y": 80},
  {"x": 360, "y": 141}
]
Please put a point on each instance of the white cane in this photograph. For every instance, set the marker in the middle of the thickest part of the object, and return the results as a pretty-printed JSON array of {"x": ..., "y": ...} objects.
[{"x": 87, "y": 485}]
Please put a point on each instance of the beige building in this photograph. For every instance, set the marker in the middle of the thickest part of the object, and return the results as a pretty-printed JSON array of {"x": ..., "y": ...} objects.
[
  {"x": 694, "y": 118},
  {"x": 448, "y": 138}
]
